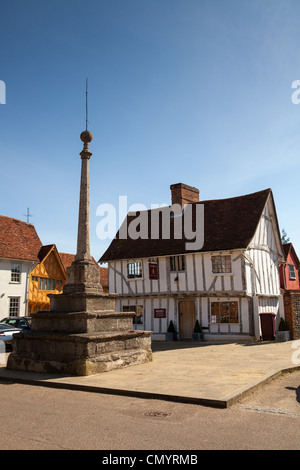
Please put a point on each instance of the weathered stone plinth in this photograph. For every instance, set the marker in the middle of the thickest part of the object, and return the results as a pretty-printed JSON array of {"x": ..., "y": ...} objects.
[
  {"x": 83, "y": 276},
  {"x": 79, "y": 354},
  {"x": 82, "y": 322},
  {"x": 93, "y": 338},
  {"x": 82, "y": 302}
]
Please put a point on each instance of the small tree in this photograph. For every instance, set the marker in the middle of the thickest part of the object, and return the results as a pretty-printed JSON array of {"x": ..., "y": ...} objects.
[{"x": 284, "y": 237}]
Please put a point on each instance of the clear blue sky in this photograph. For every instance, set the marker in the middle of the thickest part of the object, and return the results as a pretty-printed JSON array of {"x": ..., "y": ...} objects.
[{"x": 192, "y": 91}]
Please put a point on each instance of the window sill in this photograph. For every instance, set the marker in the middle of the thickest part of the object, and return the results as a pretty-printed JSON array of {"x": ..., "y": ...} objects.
[{"x": 222, "y": 274}]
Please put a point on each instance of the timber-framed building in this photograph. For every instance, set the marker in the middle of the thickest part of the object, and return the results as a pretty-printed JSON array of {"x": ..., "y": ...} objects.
[{"x": 227, "y": 284}]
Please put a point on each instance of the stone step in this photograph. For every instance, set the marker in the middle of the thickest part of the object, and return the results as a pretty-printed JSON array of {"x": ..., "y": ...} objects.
[{"x": 82, "y": 322}]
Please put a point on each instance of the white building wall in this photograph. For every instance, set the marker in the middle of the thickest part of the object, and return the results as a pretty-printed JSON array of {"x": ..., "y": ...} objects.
[
  {"x": 10, "y": 289},
  {"x": 202, "y": 311},
  {"x": 262, "y": 270},
  {"x": 197, "y": 277},
  {"x": 197, "y": 280},
  {"x": 262, "y": 258}
]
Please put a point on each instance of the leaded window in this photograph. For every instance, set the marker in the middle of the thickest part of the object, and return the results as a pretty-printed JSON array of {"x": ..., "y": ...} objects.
[{"x": 221, "y": 264}]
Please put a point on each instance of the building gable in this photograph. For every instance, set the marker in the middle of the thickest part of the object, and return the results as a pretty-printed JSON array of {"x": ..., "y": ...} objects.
[
  {"x": 291, "y": 255},
  {"x": 289, "y": 271},
  {"x": 47, "y": 276},
  {"x": 267, "y": 233},
  {"x": 50, "y": 264}
]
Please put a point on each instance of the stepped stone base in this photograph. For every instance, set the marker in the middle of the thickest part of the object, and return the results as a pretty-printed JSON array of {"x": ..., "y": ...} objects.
[
  {"x": 81, "y": 342},
  {"x": 79, "y": 354},
  {"x": 82, "y": 322}
]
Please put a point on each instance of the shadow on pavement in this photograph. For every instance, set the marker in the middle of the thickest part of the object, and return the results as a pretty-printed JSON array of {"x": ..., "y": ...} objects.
[
  {"x": 186, "y": 344},
  {"x": 297, "y": 390}
]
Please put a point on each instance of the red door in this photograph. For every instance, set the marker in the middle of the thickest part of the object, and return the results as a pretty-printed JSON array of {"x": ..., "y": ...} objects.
[{"x": 267, "y": 322}]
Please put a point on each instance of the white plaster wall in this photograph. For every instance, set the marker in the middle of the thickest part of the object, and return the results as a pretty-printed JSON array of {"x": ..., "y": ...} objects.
[
  {"x": 197, "y": 276},
  {"x": 263, "y": 258},
  {"x": 13, "y": 289}
]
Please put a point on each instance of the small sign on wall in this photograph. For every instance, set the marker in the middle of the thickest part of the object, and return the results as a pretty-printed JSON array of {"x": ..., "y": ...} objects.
[
  {"x": 160, "y": 313},
  {"x": 153, "y": 271}
]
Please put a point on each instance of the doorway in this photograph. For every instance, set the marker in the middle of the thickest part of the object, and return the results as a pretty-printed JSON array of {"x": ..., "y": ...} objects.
[
  {"x": 187, "y": 318},
  {"x": 267, "y": 323}
]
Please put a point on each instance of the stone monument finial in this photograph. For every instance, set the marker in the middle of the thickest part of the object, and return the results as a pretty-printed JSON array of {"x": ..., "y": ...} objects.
[{"x": 86, "y": 137}]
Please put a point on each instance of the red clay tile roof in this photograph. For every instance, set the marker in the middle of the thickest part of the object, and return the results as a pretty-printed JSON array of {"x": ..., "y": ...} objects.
[
  {"x": 104, "y": 277},
  {"x": 228, "y": 224},
  {"x": 66, "y": 259},
  {"x": 18, "y": 240}
]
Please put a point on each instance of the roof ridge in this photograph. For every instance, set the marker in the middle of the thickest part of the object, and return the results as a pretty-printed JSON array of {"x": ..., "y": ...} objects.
[
  {"x": 17, "y": 220},
  {"x": 268, "y": 190},
  {"x": 255, "y": 193}
]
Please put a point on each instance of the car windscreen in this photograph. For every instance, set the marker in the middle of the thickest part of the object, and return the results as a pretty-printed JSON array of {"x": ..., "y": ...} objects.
[
  {"x": 5, "y": 327},
  {"x": 11, "y": 322}
]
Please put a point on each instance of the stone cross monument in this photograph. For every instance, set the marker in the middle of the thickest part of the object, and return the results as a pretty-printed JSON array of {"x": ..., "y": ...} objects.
[
  {"x": 83, "y": 275},
  {"x": 82, "y": 334}
]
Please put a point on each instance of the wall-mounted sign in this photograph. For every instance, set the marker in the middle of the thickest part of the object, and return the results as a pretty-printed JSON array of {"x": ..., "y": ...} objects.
[
  {"x": 160, "y": 313},
  {"x": 153, "y": 271}
]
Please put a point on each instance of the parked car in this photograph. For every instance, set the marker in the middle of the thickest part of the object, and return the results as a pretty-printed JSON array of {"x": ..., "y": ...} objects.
[
  {"x": 6, "y": 334},
  {"x": 18, "y": 322}
]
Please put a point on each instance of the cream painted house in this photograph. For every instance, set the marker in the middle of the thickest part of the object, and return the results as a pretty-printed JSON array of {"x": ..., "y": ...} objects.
[
  {"x": 227, "y": 284},
  {"x": 19, "y": 247}
]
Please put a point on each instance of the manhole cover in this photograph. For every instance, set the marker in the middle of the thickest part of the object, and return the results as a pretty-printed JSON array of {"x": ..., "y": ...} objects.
[{"x": 158, "y": 414}]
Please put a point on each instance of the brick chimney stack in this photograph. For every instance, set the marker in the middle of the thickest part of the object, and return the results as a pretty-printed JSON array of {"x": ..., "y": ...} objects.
[{"x": 183, "y": 194}]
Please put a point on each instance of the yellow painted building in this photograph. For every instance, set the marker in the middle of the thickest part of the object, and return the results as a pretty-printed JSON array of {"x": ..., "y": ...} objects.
[{"x": 48, "y": 277}]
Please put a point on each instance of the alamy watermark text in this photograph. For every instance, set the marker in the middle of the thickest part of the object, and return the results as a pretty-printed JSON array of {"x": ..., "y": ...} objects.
[
  {"x": 161, "y": 222},
  {"x": 2, "y": 92}
]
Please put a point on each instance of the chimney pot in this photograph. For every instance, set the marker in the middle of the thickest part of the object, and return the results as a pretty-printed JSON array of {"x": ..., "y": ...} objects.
[{"x": 183, "y": 194}]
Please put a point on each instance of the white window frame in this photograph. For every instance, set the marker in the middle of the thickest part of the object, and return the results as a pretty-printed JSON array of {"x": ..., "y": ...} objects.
[
  {"x": 292, "y": 272},
  {"x": 15, "y": 273},
  {"x": 14, "y": 310},
  {"x": 135, "y": 270}
]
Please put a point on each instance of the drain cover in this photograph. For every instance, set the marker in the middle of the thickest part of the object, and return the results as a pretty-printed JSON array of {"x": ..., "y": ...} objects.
[{"x": 158, "y": 414}]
